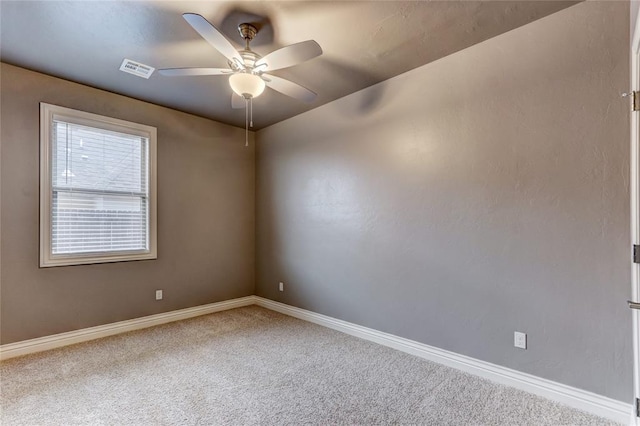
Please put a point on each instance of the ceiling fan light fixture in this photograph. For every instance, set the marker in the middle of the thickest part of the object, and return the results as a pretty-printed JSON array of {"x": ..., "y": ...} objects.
[{"x": 247, "y": 85}]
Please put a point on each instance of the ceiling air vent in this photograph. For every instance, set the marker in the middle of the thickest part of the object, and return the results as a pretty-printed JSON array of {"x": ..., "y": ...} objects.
[{"x": 136, "y": 68}]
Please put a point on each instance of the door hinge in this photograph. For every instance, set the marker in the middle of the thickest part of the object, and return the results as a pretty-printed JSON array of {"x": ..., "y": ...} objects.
[
  {"x": 636, "y": 253},
  {"x": 637, "y": 407},
  {"x": 635, "y": 99}
]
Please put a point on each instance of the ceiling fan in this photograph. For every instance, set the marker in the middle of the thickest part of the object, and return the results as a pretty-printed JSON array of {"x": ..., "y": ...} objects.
[{"x": 247, "y": 70}]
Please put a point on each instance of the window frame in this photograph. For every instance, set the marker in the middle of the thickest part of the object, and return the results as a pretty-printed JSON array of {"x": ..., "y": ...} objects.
[{"x": 48, "y": 113}]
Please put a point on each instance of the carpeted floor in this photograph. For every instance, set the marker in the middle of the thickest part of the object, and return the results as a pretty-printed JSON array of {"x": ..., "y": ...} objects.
[{"x": 255, "y": 366}]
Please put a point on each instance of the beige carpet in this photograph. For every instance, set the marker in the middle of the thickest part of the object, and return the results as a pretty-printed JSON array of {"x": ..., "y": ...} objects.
[{"x": 254, "y": 366}]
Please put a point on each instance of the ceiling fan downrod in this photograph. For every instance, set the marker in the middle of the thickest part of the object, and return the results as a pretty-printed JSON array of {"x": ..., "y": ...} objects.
[{"x": 247, "y": 32}]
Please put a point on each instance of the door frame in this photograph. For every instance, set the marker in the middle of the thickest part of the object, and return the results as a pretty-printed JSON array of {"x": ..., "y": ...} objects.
[{"x": 635, "y": 209}]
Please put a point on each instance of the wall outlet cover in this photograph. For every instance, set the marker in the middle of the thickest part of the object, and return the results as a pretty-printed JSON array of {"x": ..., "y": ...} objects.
[{"x": 520, "y": 340}]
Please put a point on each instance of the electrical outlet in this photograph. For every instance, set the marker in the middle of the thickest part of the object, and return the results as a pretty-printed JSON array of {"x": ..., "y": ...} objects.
[
  {"x": 520, "y": 340},
  {"x": 281, "y": 286},
  {"x": 158, "y": 294}
]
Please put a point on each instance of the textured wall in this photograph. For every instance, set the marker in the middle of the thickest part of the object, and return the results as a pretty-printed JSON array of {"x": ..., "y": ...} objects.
[
  {"x": 206, "y": 220},
  {"x": 484, "y": 193}
]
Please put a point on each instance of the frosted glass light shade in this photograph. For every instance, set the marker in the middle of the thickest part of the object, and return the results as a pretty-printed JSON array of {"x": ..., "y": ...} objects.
[{"x": 247, "y": 85}]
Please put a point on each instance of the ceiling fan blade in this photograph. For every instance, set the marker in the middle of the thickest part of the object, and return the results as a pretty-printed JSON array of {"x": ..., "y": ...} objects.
[
  {"x": 175, "y": 72},
  {"x": 213, "y": 36},
  {"x": 289, "y": 88},
  {"x": 237, "y": 101},
  {"x": 293, "y": 54}
]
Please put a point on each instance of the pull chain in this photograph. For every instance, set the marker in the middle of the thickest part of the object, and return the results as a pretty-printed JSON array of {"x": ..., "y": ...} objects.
[
  {"x": 246, "y": 122},
  {"x": 251, "y": 112}
]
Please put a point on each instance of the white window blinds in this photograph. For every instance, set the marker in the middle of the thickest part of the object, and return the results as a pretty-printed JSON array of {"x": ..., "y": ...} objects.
[
  {"x": 99, "y": 204},
  {"x": 100, "y": 191}
]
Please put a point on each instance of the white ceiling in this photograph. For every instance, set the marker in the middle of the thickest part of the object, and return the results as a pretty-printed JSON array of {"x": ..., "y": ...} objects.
[{"x": 364, "y": 42}]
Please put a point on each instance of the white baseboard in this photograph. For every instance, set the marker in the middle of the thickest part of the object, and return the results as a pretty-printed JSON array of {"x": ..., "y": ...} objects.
[
  {"x": 573, "y": 397},
  {"x": 40, "y": 344},
  {"x": 587, "y": 401}
]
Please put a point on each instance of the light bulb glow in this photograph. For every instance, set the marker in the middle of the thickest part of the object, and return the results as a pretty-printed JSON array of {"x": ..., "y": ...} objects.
[{"x": 247, "y": 85}]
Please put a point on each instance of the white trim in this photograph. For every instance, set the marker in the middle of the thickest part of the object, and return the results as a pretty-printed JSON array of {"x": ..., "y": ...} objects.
[
  {"x": 573, "y": 397},
  {"x": 40, "y": 344}
]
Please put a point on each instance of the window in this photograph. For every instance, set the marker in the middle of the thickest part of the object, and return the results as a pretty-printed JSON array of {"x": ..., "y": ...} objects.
[{"x": 97, "y": 188}]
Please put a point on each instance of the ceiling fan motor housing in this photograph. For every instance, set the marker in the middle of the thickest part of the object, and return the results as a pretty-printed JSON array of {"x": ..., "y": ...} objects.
[{"x": 250, "y": 58}]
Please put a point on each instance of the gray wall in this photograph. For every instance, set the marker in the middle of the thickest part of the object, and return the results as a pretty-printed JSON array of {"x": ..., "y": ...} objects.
[
  {"x": 206, "y": 219},
  {"x": 634, "y": 6},
  {"x": 484, "y": 193}
]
